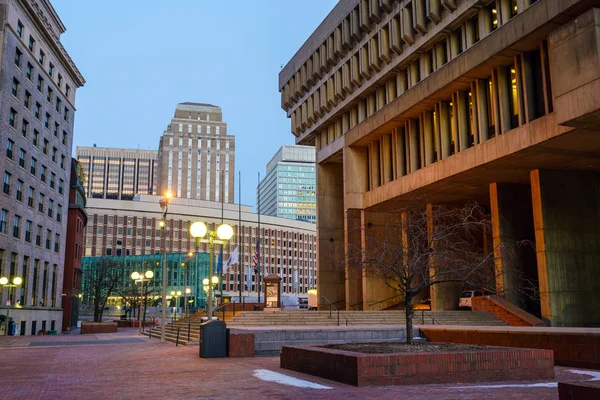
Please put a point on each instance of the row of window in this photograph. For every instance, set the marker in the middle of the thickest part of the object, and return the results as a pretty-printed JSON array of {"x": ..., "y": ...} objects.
[
  {"x": 33, "y": 165},
  {"x": 41, "y": 202},
  {"x": 32, "y": 46},
  {"x": 28, "y": 231},
  {"x": 39, "y": 282}
]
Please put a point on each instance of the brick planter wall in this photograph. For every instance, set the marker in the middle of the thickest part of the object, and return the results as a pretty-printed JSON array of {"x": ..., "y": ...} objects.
[
  {"x": 505, "y": 311},
  {"x": 240, "y": 344},
  {"x": 493, "y": 364},
  {"x": 98, "y": 327},
  {"x": 579, "y": 390},
  {"x": 570, "y": 349}
]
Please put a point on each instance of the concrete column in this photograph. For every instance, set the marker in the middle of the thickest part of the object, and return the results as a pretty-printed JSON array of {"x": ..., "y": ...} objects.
[
  {"x": 401, "y": 81},
  {"x": 413, "y": 139},
  {"x": 504, "y": 12},
  {"x": 485, "y": 23},
  {"x": 514, "y": 260},
  {"x": 413, "y": 73},
  {"x": 444, "y": 296},
  {"x": 428, "y": 137},
  {"x": 454, "y": 44},
  {"x": 470, "y": 33},
  {"x": 330, "y": 233},
  {"x": 400, "y": 153},
  {"x": 386, "y": 158},
  {"x": 462, "y": 114},
  {"x": 353, "y": 268},
  {"x": 445, "y": 128},
  {"x": 566, "y": 215},
  {"x": 374, "y": 172},
  {"x": 482, "y": 110},
  {"x": 504, "y": 91}
]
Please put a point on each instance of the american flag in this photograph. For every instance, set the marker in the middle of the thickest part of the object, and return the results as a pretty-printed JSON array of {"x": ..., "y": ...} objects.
[{"x": 256, "y": 253}]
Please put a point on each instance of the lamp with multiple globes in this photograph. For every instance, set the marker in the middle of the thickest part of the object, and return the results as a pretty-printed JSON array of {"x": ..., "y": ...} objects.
[{"x": 4, "y": 281}]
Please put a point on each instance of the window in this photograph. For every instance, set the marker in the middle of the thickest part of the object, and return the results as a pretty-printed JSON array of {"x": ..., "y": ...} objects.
[
  {"x": 50, "y": 208},
  {"x": 47, "y": 121},
  {"x": 20, "y": 184},
  {"x": 31, "y": 43},
  {"x": 36, "y": 137},
  {"x": 56, "y": 129},
  {"x": 12, "y": 118},
  {"x": 9, "y": 149},
  {"x": 24, "y": 128},
  {"x": 40, "y": 84},
  {"x": 61, "y": 185},
  {"x": 18, "y": 57},
  {"x": 59, "y": 213},
  {"x": 22, "y": 155},
  {"x": 59, "y": 81},
  {"x": 68, "y": 91},
  {"x": 42, "y": 57},
  {"x": 66, "y": 114},
  {"x": 17, "y": 226},
  {"x": 32, "y": 166},
  {"x": 62, "y": 161},
  {"x": 28, "y": 231},
  {"x": 27, "y": 101},
  {"x": 7, "y": 179},
  {"x": 3, "y": 219},
  {"x": 64, "y": 138},
  {"x": 58, "y": 104},
  {"x": 43, "y": 173},
  {"x": 48, "y": 239},
  {"x": 20, "y": 29},
  {"x": 41, "y": 200},
  {"x": 15, "y": 88},
  {"x": 38, "y": 236},
  {"x": 50, "y": 95},
  {"x": 29, "y": 71},
  {"x": 56, "y": 242},
  {"x": 45, "y": 148},
  {"x": 51, "y": 69},
  {"x": 52, "y": 180}
]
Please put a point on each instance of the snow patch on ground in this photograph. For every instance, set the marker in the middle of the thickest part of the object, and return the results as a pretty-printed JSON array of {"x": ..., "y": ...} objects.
[{"x": 270, "y": 376}]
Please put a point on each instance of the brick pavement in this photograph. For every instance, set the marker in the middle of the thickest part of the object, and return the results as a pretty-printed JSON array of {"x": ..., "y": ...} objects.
[{"x": 153, "y": 370}]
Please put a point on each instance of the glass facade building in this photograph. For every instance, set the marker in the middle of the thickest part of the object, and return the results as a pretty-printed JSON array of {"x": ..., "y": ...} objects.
[{"x": 289, "y": 187}]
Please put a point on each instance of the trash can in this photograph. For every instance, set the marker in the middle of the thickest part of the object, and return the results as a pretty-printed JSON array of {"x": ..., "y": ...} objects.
[
  {"x": 256, "y": 307},
  {"x": 213, "y": 339},
  {"x": 12, "y": 328}
]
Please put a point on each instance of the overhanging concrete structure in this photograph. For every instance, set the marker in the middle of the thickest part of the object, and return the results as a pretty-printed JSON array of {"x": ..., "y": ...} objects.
[{"x": 449, "y": 101}]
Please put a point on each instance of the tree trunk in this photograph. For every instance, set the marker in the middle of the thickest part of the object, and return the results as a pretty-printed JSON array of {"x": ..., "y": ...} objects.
[{"x": 409, "y": 318}]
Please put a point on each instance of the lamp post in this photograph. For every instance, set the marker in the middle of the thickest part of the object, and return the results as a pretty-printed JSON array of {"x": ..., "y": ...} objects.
[
  {"x": 209, "y": 284},
  {"x": 164, "y": 204},
  {"x": 224, "y": 232},
  {"x": 187, "y": 293},
  {"x": 141, "y": 278},
  {"x": 4, "y": 282},
  {"x": 176, "y": 296}
]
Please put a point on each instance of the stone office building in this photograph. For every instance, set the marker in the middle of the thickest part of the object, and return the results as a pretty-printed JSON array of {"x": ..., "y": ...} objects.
[
  {"x": 37, "y": 105},
  {"x": 452, "y": 101}
]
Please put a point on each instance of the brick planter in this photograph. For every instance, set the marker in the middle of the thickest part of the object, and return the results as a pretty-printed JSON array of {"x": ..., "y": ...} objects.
[
  {"x": 98, "y": 327},
  {"x": 359, "y": 369}
]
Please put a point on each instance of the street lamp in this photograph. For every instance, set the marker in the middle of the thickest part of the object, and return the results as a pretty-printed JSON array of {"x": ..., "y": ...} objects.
[
  {"x": 176, "y": 295},
  {"x": 224, "y": 232},
  {"x": 164, "y": 204},
  {"x": 141, "y": 278},
  {"x": 4, "y": 282},
  {"x": 187, "y": 293}
]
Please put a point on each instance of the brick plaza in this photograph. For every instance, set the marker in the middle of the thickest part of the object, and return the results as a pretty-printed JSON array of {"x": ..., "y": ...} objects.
[{"x": 125, "y": 366}]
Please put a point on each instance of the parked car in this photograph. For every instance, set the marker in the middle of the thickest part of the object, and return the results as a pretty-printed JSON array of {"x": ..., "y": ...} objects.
[
  {"x": 424, "y": 304},
  {"x": 466, "y": 297}
]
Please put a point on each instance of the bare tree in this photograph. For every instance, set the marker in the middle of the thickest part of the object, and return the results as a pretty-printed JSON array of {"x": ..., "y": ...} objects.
[
  {"x": 422, "y": 247},
  {"x": 101, "y": 281}
]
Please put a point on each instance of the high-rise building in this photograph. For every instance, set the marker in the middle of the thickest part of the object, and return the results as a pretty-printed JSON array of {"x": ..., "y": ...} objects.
[
  {"x": 288, "y": 188},
  {"x": 196, "y": 155},
  {"x": 114, "y": 173},
  {"x": 37, "y": 106},
  {"x": 421, "y": 103}
]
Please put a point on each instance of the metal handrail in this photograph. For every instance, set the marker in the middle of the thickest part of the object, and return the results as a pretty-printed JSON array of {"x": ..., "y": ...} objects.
[
  {"x": 338, "y": 311},
  {"x": 433, "y": 320}
]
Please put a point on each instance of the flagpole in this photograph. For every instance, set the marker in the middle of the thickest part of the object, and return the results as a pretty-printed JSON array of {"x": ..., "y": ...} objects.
[
  {"x": 223, "y": 245},
  {"x": 258, "y": 244},
  {"x": 240, "y": 231}
]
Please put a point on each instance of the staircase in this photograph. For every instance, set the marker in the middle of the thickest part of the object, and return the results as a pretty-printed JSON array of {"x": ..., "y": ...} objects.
[{"x": 361, "y": 318}]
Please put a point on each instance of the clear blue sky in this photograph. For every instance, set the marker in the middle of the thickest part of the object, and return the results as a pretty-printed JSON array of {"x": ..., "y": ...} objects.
[{"x": 142, "y": 57}]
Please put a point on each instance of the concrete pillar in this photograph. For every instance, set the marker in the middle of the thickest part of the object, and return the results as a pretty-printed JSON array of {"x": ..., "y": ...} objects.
[
  {"x": 400, "y": 152},
  {"x": 413, "y": 140},
  {"x": 445, "y": 128},
  {"x": 482, "y": 109},
  {"x": 504, "y": 91},
  {"x": 444, "y": 296},
  {"x": 566, "y": 215},
  {"x": 515, "y": 265},
  {"x": 386, "y": 158},
  {"x": 504, "y": 12},
  {"x": 330, "y": 233},
  {"x": 374, "y": 173},
  {"x": 353, "y": 268},
  {"x": 428, "y": 137},
  {"x": 401, "y": 81},
  {"x": 413, "y": 73},
  {"x": 462, "y": 114}
]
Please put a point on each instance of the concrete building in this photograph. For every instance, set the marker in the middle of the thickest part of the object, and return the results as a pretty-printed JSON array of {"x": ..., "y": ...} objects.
[
  {"x": 131, "y": 228},
  {"x": 288, "y": 189},
  {"x": 37, "y": 104},
  {"x": 445, "y": 102},
  {"x": 114, "y": 173},
  {"x": 76, "y": 222},
  {"x": 196, "y": 155}
]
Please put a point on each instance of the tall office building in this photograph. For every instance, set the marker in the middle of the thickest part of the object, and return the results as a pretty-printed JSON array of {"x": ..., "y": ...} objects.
[
  {"x": 288, "y": 189},
  {"x": 37, "y": 105},
  {"x": 427, "y": 102},
  {"x": 196, "y": 155},
  {"x": 114, "y": 173}
]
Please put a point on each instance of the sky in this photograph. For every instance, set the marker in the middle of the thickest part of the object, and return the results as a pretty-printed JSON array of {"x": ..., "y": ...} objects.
[{"x": 141, "y": 57}]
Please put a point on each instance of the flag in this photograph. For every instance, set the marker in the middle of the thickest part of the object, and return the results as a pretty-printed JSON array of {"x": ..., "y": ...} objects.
[
  {"x": 232, "y": 260},
  {"x": 296, "y": 279},
  {"x": 220, "y": 263},
  {"x": 249, "y": 279},
  {"x": 256, "y": 253}
]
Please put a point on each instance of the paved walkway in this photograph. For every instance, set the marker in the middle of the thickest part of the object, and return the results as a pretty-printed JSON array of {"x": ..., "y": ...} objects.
[{"x": 103, "y": 367}]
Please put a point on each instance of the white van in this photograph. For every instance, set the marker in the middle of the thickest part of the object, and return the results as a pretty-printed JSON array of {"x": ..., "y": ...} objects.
[{"x": 465, "y": 298}]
